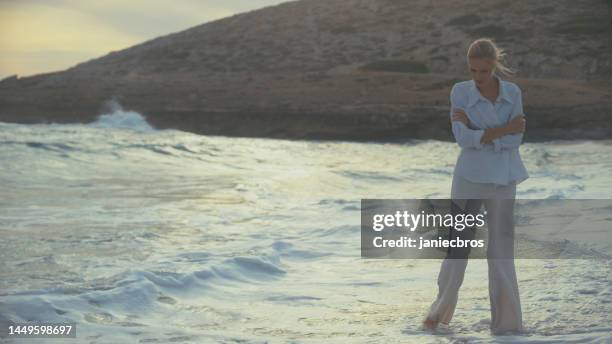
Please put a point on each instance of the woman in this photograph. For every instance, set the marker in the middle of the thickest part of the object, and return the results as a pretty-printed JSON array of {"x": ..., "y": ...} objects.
[{"x": 488, "y": 124}]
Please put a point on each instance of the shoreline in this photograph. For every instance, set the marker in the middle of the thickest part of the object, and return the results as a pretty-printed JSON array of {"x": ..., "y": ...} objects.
[
  {"x": 349, "y": 106},
  {"x": 298, "y": 129}
]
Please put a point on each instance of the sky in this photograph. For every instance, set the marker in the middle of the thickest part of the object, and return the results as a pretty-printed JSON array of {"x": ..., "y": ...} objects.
[{"x": 38, "y": 36}]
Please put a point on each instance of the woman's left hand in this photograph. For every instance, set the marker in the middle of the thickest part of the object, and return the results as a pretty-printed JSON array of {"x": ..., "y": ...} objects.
[{"x": 459, "y": 115}]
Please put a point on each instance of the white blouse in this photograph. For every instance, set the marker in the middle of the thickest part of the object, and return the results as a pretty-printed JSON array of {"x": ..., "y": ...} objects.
[{"x": 498, "y": 162}]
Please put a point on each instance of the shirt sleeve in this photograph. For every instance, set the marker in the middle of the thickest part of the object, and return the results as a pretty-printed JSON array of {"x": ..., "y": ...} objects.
[
  {"x": 465, "y": 137},
  {"x": 511, "y": 141}
]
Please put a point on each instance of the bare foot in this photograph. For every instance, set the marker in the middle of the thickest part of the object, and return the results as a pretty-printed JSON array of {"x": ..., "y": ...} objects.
[{"x": 430, "y": 324}]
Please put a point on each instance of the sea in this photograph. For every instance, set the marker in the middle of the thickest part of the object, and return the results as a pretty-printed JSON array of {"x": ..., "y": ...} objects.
[{"x": 140, "y": 235}]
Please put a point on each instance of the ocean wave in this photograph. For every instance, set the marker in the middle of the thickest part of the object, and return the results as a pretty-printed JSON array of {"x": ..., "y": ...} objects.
[
  {"x": 54, "y": 147},
  {"x": 119, "y": 118}
]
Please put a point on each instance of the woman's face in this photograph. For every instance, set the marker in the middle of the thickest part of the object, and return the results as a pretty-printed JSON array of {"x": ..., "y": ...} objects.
[{"x": 481, "y": 70}]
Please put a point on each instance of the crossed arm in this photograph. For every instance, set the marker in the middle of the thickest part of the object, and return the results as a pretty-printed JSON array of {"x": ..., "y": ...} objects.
[{"x": 508, "y": 136}]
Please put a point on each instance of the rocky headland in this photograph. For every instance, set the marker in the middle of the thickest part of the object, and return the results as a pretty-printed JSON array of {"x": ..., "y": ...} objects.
[{"x": 342, "y": 69}]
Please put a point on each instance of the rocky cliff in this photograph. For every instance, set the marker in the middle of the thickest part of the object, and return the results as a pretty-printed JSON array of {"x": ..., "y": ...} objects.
[{"x": 342, "y": 69}]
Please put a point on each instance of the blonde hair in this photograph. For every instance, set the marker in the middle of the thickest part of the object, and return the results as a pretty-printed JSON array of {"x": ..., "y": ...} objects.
[{"x": 485, "y": 48}]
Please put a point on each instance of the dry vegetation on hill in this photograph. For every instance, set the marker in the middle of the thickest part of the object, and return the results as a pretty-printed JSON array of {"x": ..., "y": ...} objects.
[{"x": 342, "y": 69}]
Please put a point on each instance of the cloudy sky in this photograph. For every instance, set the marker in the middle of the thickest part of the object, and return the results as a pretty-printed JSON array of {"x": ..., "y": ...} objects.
[{"x": 38, "y": 36}]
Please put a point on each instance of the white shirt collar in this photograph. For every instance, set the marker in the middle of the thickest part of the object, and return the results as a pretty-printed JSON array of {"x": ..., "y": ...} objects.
[{"x": 475, "y": 95}]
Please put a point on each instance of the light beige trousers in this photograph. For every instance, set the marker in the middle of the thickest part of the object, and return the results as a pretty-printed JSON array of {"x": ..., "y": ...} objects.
[{"x": 506, "y": 315}]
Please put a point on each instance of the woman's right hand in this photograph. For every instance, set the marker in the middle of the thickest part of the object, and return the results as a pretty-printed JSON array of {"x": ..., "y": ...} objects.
[{"x": 517, "y": 124}]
